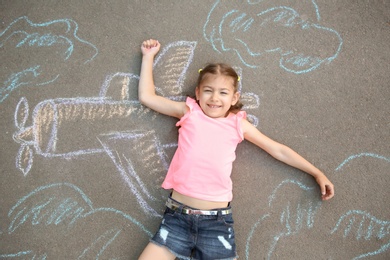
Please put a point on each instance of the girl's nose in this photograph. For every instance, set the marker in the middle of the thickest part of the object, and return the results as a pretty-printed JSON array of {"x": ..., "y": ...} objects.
[{"x": 214, "y": 96}]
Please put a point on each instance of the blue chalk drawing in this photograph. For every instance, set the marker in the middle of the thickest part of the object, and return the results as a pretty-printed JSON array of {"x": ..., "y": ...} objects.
[
  {"x": 368, "y": 227},
  {"x": 362, "y": 225},
  {"x": 302, "y": 52},
  {"x": 45, "y": 39},
  {"x": 23, "y": 78},
  {"x": 287, "y": 216},
  {"x": 23, "y": 254},
  {"x": 356, "y": 156},
  {"x": 62, "y": 205},
  {"x": 23, "y": 34},
  {"x": 290, "y": 216},
  {"x": 110, "y": 234}
]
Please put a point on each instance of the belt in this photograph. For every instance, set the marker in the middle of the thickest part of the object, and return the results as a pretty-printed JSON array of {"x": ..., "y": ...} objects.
[{"x": 189, "y": 211}]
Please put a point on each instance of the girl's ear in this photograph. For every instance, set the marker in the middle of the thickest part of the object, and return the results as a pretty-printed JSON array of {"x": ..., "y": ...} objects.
[{"x": 236, "y": 97}]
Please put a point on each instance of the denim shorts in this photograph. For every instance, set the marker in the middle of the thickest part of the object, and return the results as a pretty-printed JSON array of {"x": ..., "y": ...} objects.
[{"x": 196, "y": 236}]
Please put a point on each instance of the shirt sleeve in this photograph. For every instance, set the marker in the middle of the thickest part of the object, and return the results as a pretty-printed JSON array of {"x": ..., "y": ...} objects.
[{"x": 191, "y": 103}]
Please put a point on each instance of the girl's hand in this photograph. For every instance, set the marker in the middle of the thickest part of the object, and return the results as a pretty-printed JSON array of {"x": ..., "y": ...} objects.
[
  {"x": 327, "y": 188},
  {"x": 150, "y": 47}
]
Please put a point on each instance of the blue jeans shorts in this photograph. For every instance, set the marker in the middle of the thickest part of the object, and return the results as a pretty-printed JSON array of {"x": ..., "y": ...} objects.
[{"x": 190, "y": 235}]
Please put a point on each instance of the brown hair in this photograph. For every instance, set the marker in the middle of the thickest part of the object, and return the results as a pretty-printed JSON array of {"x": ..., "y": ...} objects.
[{"x": 225, "y": 70}]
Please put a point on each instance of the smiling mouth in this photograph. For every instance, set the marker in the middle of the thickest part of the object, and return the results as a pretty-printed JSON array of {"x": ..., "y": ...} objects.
[{"x": 214, "y": 106}]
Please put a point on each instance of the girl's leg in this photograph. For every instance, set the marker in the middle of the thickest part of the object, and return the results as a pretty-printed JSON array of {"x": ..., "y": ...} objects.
[{"x": 153, "y": 252}]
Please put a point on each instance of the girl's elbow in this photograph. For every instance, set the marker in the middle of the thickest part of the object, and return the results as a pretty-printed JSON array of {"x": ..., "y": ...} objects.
[
  {"x": 145, "y": 102},
  {"x": 141, "y": 99},
  {"x": 144, "y": 98}
]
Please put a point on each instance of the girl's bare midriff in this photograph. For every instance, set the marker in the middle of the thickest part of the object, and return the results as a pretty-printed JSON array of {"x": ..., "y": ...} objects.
[{"x": 197, "y": 203}]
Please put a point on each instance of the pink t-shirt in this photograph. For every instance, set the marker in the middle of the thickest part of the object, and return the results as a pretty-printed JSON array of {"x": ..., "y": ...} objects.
[{"x": 202, "y": 164}]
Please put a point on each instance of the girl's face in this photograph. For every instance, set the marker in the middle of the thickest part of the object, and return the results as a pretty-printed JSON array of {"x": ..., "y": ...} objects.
[{"x": 216, "y": 95}]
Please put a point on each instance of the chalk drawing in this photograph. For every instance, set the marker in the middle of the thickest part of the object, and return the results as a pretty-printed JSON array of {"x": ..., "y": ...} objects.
[
  {"x": 24, "y": 254},
  {"x": 124, "y": 148},
  {"x": 361, "y": 225},
  {"x": 266, "y": 29},
  {"x": 61, "y": 206},
  {"x": 57, "y": 39},
  {"x": 106, "y": 124},
  {"x": 113, "y": 108},
  {"x": 112, "y": 111},
  {"x": 358, "y": 224},
  {"x": 361, "y": 155},
  {"x": 289, "y": 216}
]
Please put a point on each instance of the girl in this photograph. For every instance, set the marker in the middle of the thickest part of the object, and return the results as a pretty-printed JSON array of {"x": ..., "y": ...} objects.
[{"x": 198, "y": 220}]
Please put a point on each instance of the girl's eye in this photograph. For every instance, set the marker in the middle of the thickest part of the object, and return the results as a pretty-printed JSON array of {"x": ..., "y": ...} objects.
[{"x": 224, "y": 93}]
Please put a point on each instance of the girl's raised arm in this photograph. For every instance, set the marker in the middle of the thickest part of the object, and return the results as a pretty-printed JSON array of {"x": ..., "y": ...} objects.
[
  {"x": 146, "y": 89},
  {"x": 288, "y": 156}
]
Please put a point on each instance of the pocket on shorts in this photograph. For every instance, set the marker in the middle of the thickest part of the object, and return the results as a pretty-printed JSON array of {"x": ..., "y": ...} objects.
[
  {"x": 169, "y": 212},
  {"x": 228, "y": 220}
]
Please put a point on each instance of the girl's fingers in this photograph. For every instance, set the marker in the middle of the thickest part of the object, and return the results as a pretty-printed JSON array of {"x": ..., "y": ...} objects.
[
  {"x": 329, "y": 192},
  {"x": 149, "y": 43}
]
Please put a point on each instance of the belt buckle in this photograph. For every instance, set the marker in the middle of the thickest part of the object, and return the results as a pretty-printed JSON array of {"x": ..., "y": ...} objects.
[
  {"x": 200, "y": 212},
  {"x": 188, "y": 211}
]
